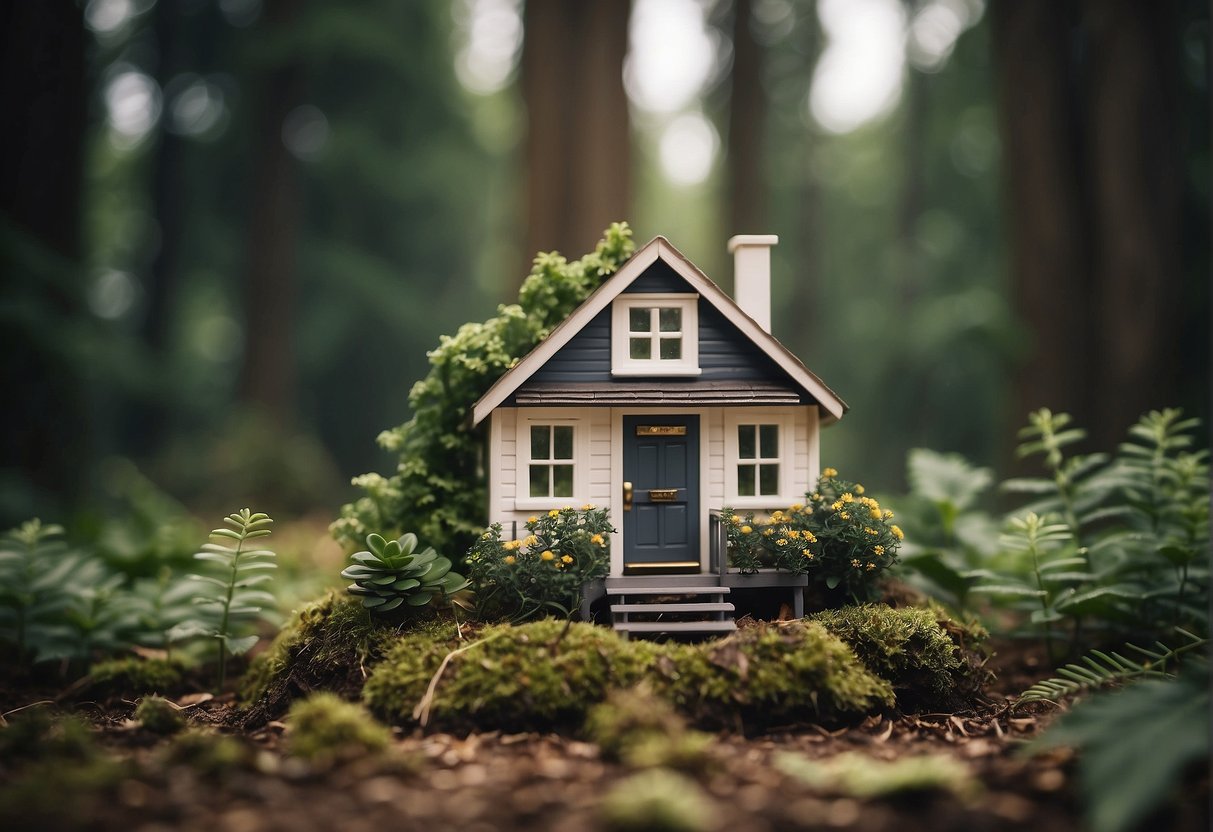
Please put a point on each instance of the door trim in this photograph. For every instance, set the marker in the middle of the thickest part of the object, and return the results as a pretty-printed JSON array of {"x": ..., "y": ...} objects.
[{"x": 616, "y": 501}]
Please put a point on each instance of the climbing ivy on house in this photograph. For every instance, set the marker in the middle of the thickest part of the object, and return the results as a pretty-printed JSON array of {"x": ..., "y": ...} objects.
[{"x": 438, "y": 487}]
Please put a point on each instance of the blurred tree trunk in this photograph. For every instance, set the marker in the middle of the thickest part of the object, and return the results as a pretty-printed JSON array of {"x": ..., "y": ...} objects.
[
  {"x": 1091, "y": 163},
  {"x": 578, "y": 145},
  {"x": 747, "y": 191},
  {"x": 42, "y": 85},
  {"x": 269, "y": 369}
]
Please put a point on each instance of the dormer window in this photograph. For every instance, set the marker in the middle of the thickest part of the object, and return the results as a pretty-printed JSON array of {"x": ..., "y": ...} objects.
[{"x": 655, "y": 335}]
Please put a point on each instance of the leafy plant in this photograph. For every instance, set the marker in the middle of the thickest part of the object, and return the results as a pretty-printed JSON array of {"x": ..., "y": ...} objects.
[
  {"x": 544, "y": 571},
  {"x": 392, "y": 573},
  {"x": 233, "y": 597},
  {"x": 838, "y": 537},
  {"x": 437, "y": 487},
  {"x": 35, "y": 570}
]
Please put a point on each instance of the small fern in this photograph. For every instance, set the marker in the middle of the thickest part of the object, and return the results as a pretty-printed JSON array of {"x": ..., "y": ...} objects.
[
  {"x": 233, "y": 597},
  {"x": 1100, "y": 669}
]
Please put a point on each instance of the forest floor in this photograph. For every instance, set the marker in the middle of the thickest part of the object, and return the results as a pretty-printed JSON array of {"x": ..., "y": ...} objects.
[{"x": 504, "y": 781}]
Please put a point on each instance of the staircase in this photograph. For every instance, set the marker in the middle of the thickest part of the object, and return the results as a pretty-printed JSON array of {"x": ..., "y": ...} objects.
[{"x": 674, "y": 605}]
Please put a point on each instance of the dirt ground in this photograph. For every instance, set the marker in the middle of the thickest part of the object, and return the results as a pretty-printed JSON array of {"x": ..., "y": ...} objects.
[{"x": 527, "y": 781}]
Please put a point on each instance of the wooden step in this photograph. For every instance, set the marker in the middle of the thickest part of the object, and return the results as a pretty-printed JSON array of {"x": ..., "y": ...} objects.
[
  {"x": 716, "y": 606},
  {"x": 675, "y": 627},
  {"x": 662, "y": 580},
  {"x": 668, "y": 590}
]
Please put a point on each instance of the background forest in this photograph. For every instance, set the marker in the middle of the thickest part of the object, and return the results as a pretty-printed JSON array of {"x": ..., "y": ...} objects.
[{"x": 231, "y": 229}]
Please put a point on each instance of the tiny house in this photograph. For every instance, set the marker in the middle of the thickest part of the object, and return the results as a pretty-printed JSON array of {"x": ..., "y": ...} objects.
[{"x": 664, "y": 400}]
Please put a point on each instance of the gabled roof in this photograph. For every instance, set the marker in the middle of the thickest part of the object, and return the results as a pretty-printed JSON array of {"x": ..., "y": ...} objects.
[{"x": 613, "y": 286}]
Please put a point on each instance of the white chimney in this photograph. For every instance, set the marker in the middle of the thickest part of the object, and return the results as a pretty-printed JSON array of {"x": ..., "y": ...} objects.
[{"x": 752, "y": 275}]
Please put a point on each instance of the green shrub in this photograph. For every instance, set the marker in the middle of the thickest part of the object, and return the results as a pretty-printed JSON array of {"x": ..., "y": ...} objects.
[
  {"x": 324, "y": 729},
  {"x": 544, "y": 571},
  {"x": 838, "y": 537},
  {"x": 437, "y": 488},
  {"x": 390, "y": 575}
]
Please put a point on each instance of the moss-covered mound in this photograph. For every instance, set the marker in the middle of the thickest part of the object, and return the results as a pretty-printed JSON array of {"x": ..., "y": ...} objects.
[
  {"x": 543, "y": 674},
  {"x": 134, "y": 677},
  {"x": 329, "y": 644},
  {"x": 927, "y": 662}
]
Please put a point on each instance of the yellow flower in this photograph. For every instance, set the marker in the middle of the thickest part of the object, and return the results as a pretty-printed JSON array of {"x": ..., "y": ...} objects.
[
  {"x": 511, "y": 545},
  {"x": 807, "y": 553},
  {"x": 836, "y": 505},
  {"x": 553, "y": 513},
  {"x": 530, "y": 540},
  {"x": 486, "y": 536},
  {"x": 878, "y": 549},
  {"x": 794, "y": 534},
  {"x": 597, "y": 539},
  {"x": 777, "y": 516},
  {"x": 855, "y": 562},
  {"x": 829, "y": 473},
  {"x": 511, "y": 560},
  {"x": 547, "y": 554},
  {"x": 876, "y": 513},
  {"x": 870, "y": 567},
  {"x": 817, "y": 496},
  {"x": 867, "y": 530},
  {"x": 781, "y": 542},
  {"x": 735, "y": 518},
  {"x": 746, "y": 530},
  {"x": 844, "y": 516},
  {"x": 888, "y": 515},
  {"x": 588, "y": 507},
  {"x": 898, "y": 533},
  {"x": 532, "y": 519},
  {"x": 848, "y": 497},
  {"x": 566, "y": 559},
  {"x": 767, "y": 532},
  {"x": 796, "y": 507},
  {"x": 566, "y": 508},
  {"x": 858, "y": 488}
]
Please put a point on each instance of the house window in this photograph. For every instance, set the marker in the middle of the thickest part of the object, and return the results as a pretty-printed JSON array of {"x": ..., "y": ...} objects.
[
  {"x": 655, "y": 335},
  {"x": 759, "y": 448},
  {"x": 551, "y": 461},
  {"x": 552, "y": 448}
]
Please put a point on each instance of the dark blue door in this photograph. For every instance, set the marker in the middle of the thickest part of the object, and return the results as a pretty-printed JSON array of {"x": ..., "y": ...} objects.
[{"x": 661, "y": 461}]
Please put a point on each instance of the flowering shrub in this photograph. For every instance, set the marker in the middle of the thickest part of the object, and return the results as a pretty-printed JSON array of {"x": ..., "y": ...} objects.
[
  {"x": 543, "y": 571},
  {"x": 838, "y": 537}
]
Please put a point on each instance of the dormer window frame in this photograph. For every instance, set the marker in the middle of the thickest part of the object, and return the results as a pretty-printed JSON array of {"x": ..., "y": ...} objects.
[{"x": 622, "y": 334}]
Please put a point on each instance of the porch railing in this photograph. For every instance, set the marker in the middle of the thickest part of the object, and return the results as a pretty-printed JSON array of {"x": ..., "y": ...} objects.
[{"x": 718, "y": 544}]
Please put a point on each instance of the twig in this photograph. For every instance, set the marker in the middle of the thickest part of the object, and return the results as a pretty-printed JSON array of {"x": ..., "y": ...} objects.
[
  {"x": 4, "y": 721},
  {"x": 422, "y": 712}
]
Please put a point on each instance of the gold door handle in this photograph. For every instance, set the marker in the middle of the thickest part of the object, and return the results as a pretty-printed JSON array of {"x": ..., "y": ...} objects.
[{"x": 627, "y": 496}]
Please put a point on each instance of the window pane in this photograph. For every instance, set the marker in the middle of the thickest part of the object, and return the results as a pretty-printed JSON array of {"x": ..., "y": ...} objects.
[
  {"x": 562, "y": 442},
  {"x": 745, "y": 441},
  {"x": 539, "y": 481},
  {"x": 562, "y": 480},
  {"x": 671, "y": 349},
  {"x": 768, "y": 479},
  {"x": 640, "y": 319},
  {"x": 768, "y": 441},
  {"x": 670, "y": 319},
  {"x": 540, "y": 442},
  {"x": 641, "y": 348},
  {"x": 745, "y": 480}
]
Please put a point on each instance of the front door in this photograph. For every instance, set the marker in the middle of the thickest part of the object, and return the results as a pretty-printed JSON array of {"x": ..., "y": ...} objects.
[{"x": 661, "y": 471}]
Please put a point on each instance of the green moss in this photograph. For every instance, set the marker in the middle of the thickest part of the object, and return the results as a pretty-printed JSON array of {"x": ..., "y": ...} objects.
[
  {"x": 159, "y": 715},
  {"x": 656, "y": 801},
  {"x": 207, "y": 753},
  {"x": 858, "y": 775},
  {"x": 540, "y": 674},
  {"x": 324, "y": 728},
  {"x": 913, "y": 648},
  {"x": 134, "y": 677},
  {"x": 641, "y": 730},
  {"x": 329, "y": 644}
]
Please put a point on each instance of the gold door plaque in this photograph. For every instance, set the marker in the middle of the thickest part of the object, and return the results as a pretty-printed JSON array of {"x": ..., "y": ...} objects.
[
  {"x": 661, "y": 430},
  {"x": 663, "y": 495}
]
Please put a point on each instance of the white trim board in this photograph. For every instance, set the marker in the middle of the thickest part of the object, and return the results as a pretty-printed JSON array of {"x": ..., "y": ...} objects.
[{"x": 658, "y": 247}]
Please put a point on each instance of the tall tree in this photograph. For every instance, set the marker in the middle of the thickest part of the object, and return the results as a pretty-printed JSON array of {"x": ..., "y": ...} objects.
[
  {"x": 578, "y": 144},
  {"x": 747, "y": 194}
]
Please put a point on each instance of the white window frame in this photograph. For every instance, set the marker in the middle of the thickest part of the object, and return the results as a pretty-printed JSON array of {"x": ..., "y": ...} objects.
[
  {"x": 622, "y": 364},
  {"x": 536, "y": 417},
  {"x": 734, "y": 417}
]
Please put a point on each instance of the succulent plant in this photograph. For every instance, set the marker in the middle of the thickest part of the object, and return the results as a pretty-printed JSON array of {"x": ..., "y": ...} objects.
[{"x": 392, "y": 573}]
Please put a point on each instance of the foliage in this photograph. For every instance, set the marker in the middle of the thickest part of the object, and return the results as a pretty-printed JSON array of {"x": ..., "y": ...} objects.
[
  {"x": 858, "y": 775},
  {"x": 132, "y": 675},
  {"x": 437, "y": 487},
  {"x": 158, "y": 715},
  {"x": 905, "y": 646},
  {"x": 549, "y": 673},
  {"x": 641, "y": 730},
  {"x": 390, "y": 574},
  {"x": 1135, "y": 745},
  {"x": 1113, "y": 542},
  {"x": 324, "y": 728},
  {"x": 1101, "y": 669},
  {"x": 838, "y": 537},
  {"x": 543, "y": 572},
  {"x": 233, "y": 597},
  {"x": 659, "y": 800}
]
